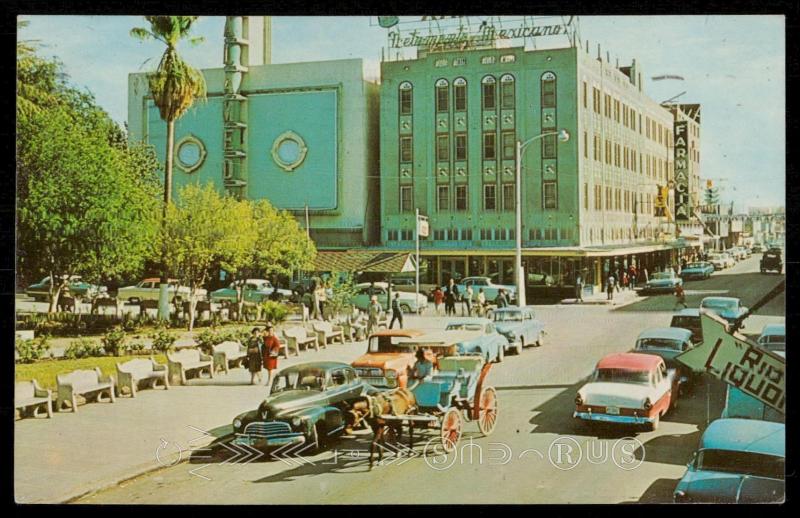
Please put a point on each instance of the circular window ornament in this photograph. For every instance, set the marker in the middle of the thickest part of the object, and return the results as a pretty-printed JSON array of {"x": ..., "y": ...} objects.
[
  {"x": 289, "y": 150},
  {"x": 190, "y": 153}
]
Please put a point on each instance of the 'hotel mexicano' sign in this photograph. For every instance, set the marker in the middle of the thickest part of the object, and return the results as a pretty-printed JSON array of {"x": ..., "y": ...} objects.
[
  {"x": 681, "y": 172},
  {"x": 464, "y": 39}
]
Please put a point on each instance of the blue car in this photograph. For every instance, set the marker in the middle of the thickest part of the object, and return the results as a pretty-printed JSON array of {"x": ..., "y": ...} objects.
[
  {"x": 519, "y": 326},
  {"x": 729, "y": 308},
  {"x": 667, "y": 343},
  {"x": 738, "y": 461},
  {"x": 662, "y": 282},
  {"x": 699, "y": 270},
  {"x": 486, "y": 341}
]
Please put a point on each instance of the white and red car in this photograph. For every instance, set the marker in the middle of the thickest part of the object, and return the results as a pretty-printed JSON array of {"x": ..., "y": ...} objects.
[{"x": 628, "y": 388}]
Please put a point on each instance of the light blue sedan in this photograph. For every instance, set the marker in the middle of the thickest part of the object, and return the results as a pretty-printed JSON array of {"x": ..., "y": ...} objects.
[
  {"x": 486, "y": 341},
  {"x": 519, "y": 326}
]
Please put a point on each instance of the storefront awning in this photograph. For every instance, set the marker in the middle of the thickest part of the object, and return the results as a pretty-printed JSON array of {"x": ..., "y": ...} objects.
[{"x": 363, "y": 261}]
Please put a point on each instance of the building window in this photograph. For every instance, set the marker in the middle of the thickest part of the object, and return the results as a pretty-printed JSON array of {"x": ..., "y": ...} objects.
[
  {"x": 392, "y": 235},
  {"x": 508, "y": 196},
  {"x": 460, "y": 93},
  {"x": 406, "y": 198},
  {"x": 508, "y": 58},
  {"x": 633, "y": 120},
  {"x": 459, "y": 62},
  {"x": 406, "y": 150},
  {"x": 548, "y": 90},
  {"x": 442, "y": 96},
  {"x": 461, "y": 199},
  {"x": 550, "y": 195},
  {"x": 549, "y": 146},
  {"x": 616, "y": 110},
  {"x": 585, "y": 95},
  {"x": 405, "y": 98},
  {"x": 507, "y": 92},
  {"x": 585, "y": 145},
  {"x": 442, "y": 148},
  {"x": 596, "y": 148},
  {"x": 489, "y": 197},
  {"x": 443, "y": 197},
  {"x": 461, "y": 146},
  {"x": 509, "y": 145},
  {"x": 489, "y": 146},
  {"x": 596, "y": 99},
  {"x": 586, "y": 196},
  {"x": 488, "y": 89}
]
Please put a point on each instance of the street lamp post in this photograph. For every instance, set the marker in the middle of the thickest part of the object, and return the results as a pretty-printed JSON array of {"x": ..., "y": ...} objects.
[{"x": 563, "y": 136}]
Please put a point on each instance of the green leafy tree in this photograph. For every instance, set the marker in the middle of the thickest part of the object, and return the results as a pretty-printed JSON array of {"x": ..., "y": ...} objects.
[
  {"x": 174, "y": 86},
  {"x": 204, "y": 228}
]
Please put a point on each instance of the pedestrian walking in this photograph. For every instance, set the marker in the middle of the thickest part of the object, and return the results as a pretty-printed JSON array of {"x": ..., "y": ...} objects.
[
  {"x": 373, "y": 310},
  {"x": 272, "y": 348},
  {"x": 254, "y": 351},
  {"x": 315, "y": 310},
  {"x": 467, "y": 302},
  {"x": 578, "y": 288},
  {"x": 610, "y": 287},
  {"x": 322, "y": 297},
  {"x": 680, "y": 296},
  {"x": 632, "y": 276},
  {"x": 397, "y": 312},
  {"x": 502, "y": 300},
  {"x": 438, "y": 299},
  {"x": 625, "y": 280},
  {"x": 481, "y": 302},
  {"x": 450, "y": 296}
]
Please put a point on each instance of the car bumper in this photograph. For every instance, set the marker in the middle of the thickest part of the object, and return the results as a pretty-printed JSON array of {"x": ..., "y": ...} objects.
[
  {"x": 658, "y": 289},
  {"x": 260, "y": 442},
  {"x": 608, "y": 418}
]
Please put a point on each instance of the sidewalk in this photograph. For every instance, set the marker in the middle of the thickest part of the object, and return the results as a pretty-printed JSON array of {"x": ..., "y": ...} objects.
[{"x": 621, "y": 298}]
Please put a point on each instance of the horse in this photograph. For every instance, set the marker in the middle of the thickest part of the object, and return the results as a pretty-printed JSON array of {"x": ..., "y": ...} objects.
[{"x": 395, "y": 402}]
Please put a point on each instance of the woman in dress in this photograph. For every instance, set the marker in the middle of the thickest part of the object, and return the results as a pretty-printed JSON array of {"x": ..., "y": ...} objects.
[
  {"x": 272, "y": 348},
  {"x": 254, "y": 352}
]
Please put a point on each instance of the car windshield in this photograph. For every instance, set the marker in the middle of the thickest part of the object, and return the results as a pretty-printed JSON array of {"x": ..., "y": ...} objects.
[
  {"x": 508, "y": 316},
  {"x": 464, "y": 327},
  {"x": 304, "y": 379},
  {"x": 388, "y": 344},
  {"x": 690, "y": 323},
  {"x": 662, "y": 275},
  {"x": 741, "y": 462},
  {"x": 622, "y": 376},
  {"x": 729, "y": 305},
  {"x": 659, "y": 343}
]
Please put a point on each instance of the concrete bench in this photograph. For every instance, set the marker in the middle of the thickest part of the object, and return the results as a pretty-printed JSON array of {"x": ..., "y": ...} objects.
[
  {"x": 84, "y": 383},
  {"x": 130, "y": 373},
  {"x": 298, "y": 336},
  {"x": 29, "y": 395},
  {"x": 189, "y": 360},
  {"x": 327, "y": 332},
  {"x": 229, "y": 354}
]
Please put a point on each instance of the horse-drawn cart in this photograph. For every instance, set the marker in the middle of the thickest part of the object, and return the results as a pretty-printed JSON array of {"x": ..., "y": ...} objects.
[{"x": 442, "y": 403}]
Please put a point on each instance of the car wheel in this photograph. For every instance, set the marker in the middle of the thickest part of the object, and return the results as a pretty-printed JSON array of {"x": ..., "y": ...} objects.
[
  {"x": 652, "y": 427},
  {"x": 501, "y": 354},
  {"x": 405, "y": 308},
  {"x": 540, "y": 339},
  {"x": 518, "y": 348}
]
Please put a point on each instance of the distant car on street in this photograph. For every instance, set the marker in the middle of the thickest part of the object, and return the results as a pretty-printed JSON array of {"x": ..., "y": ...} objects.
[
  {"x": 729, "y": 308},
  {"x": 738, "y": 253},
  {"x": 628, "y": 388},
  {"x": 255, "y": 291},
  {"x": 737, "y": 461},
  {"x": 490, "y": 289},
  {"x": 689, "y": 318},
  {"x": 487, "y": 342},
  {"x": 772, "y": 260},
  {"x": 721, "y": 261},
  {"x": 410, "y": 286},
  {"x": 697, "y": 270},
  {"x": 520, "y": 327},
  {"x": 662, "y": 282},
  {"x": 757, "y": 249},
  {"x": 773, "y": 337},
  {"x": 148, "y": 289},
  {"x": 667, "y": 343},
  {"x": 40, "y": 291},
  {"x": 409, "y": 302}
]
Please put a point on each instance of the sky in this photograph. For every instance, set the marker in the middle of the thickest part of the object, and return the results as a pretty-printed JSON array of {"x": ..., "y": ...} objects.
[{"x": 734, "y": 66}]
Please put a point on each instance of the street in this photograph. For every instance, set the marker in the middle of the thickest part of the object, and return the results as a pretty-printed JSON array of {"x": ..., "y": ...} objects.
[{"x": 537, "y": 454}]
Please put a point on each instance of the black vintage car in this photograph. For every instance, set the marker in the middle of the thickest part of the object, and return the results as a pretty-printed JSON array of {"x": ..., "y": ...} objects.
[
  {"x": 309, "y": 403},
  {"x": 772, "y": 260}
]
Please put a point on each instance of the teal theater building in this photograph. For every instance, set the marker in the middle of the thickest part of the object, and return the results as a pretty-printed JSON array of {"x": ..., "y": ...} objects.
[{"x": 302, "y": 135}]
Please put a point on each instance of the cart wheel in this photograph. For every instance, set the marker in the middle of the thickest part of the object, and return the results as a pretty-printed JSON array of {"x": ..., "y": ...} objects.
[
  {"x": 451, "y": 429},
  {"x": 487, "y": 413}
]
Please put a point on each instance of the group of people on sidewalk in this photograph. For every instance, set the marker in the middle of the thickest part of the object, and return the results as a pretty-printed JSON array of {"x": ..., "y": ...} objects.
[
  {"x": 263, "y": 349},
  {"x": 452, "y": 294}
]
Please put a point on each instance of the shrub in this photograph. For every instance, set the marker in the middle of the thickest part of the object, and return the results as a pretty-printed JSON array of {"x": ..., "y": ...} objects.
[
  {"x": 274, "y": 312},
  {"x": 162, "y": 340},
  {"x": 31, "y": 350},
  {"x": 114, "y": 341},
  {"x": 207, "y": 339},
  {"x": 136, "y": 348},
  {"x": 83, "y": 348}
]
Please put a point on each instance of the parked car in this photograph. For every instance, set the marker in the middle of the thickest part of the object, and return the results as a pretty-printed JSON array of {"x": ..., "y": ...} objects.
[
  {"x": 667, "y": 343},
  {"x": 409, "y": 302},
  {"x": 308, "y": 404},
  {"x": 40, "y": 291},
  {"x": 737, "y": 253},
  {"x": 662, "y": 282},
  {"x": 697, "y": 270},
  {"x": 387, "y": 358},
  {"x": 729, "y": 308},
  {"x": 772, "y": 261},
  {"x": 487, "y": 342},
  {"x": 757, "y": 249},
  {"x": 490, "y": 289},
  {"x": 721, "y": 261},
  {"x": 737, "y": 461},
  {"x": 773, "y": 337},
  {"x": 255, "y": 291},
  {"x": 520, "y": 326},
  {"x": 148, "y": 289},
  {"x": 628, "y": 388},
  {"x": 410, "y": 286},
  {"x": 689, "y": 318}
]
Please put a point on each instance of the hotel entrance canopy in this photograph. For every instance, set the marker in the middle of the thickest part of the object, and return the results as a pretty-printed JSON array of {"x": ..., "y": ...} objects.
[{"x": 364, "y": 261}]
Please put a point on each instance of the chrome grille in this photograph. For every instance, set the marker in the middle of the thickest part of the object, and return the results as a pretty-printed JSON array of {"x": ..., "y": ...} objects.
[
  {"x": 369, "y": 372},
  {"x": 267, "y": 428}
]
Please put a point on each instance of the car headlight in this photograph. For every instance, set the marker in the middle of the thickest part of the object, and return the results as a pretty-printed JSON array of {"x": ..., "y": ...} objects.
[
  {"x": 647, "y": 404},
  {"x": 237, "y": 423},
  {"x": 578, "y": 399},
  {"x": 296, "y": 422},
  {"x": 391, "y": 374}
]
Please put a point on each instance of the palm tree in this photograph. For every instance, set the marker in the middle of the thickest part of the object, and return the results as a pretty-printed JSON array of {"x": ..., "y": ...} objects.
[{"x": 174, "y": 86}]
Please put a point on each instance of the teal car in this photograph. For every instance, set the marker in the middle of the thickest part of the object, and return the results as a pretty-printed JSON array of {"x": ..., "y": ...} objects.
[
  {"x": 255, "y": 291},
  {"x": 698, "y": 270},
  {"x": 738, "y": 461},
  {"x": 40, "y": 291},
  {"x": 487, "y": 343}
]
